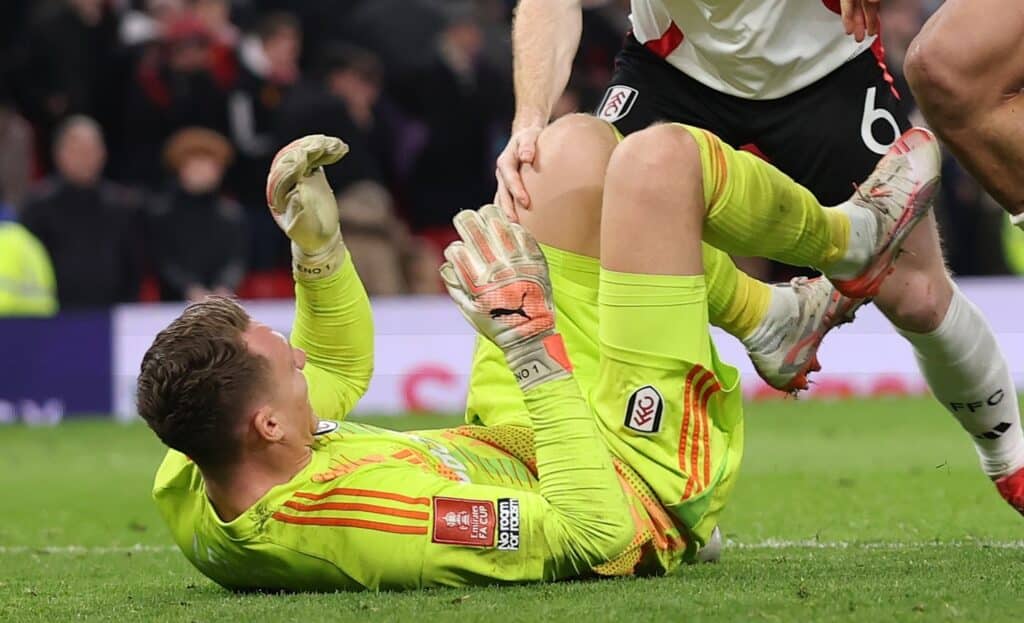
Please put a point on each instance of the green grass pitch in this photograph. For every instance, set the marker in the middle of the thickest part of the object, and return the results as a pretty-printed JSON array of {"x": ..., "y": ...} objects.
[{"x": 845, "y": 511}]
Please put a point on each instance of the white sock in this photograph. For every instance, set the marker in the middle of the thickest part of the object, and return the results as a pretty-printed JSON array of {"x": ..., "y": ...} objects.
[
  {"x": 968, "y": 374},
  {"x": 783, "y": 310},
  {"x": 861, "y": 246}
]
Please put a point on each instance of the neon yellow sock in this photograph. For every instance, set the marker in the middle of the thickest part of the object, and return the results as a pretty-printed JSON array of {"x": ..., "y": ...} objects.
[
  {"x": 737, "y": 303},
  {"x": 755, "y": 209}
]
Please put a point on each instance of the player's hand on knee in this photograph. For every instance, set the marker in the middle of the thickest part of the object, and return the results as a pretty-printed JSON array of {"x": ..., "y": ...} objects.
[
  {"x": 498, "y": 277},
  {"x": 521, "y": 149},
  {"x": 303, "y": 204}
]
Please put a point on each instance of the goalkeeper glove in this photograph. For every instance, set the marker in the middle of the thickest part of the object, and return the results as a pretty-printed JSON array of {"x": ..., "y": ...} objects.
[
  {"x": 498, "y": 277},
  {"x": 303, "y": 204}
]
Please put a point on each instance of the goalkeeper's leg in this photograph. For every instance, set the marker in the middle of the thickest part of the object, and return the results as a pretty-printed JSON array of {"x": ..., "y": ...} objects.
[
  {"x": 666, "y": 404},
  {"x": 566, "y": 187}
]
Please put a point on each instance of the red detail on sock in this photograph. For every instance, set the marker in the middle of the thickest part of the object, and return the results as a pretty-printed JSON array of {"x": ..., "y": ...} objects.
[
  {"x": 834, "y": 6},
  {"x": 667, "y": 42},
  {"x": 555, "y": 347}
]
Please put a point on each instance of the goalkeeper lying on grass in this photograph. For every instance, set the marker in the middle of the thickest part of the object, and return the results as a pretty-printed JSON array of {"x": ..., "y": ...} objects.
[{"x": 266, "y": 487}]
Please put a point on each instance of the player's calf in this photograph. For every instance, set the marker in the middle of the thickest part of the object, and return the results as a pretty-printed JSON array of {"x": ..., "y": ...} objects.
[{"x": 917, "y": 296}]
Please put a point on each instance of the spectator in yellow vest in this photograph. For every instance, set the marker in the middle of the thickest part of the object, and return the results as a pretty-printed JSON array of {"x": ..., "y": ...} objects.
[{"x": 27, "y": 285}]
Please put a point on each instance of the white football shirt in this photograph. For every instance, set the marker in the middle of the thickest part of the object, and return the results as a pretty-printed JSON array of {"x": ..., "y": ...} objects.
[{"x": 754, "y": 49}]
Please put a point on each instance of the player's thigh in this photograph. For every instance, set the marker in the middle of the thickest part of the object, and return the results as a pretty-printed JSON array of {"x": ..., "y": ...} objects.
[
  {"x": 829, "y": 136},
  {"x": 645, "y": 90},
  {"x": 976, "y": 46}
]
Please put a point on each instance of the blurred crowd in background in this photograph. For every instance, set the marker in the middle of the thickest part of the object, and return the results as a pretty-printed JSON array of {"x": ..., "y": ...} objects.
[{"x": 135, "y": 136}]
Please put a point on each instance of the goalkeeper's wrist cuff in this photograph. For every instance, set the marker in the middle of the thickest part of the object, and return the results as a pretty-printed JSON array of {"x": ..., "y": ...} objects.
[
  {"x": 539, "y": 361},
  {"x": 1017, "y": 220},
  {"x": 318, "y": 265}
]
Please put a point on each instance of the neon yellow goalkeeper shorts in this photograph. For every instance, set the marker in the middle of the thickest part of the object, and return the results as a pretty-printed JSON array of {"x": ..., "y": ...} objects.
[{"x": 678, "y": 424}]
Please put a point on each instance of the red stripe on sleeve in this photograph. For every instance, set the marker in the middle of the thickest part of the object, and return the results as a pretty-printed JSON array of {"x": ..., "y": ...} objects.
[
  {"x": 666, "y": 43},
  {"x": 367, "y": 493},
  {"x": 355, "y": 506},
  {"x": 345, "y": 522}
]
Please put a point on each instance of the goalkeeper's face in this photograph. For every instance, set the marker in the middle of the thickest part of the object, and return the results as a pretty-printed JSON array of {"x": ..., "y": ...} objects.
[{"x": 288, "y": 395}]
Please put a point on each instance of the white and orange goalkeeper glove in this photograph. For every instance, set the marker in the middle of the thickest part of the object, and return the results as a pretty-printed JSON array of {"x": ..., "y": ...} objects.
[
  {"x": 498, "y": 277},
  {"x": 303, "y": 204}
]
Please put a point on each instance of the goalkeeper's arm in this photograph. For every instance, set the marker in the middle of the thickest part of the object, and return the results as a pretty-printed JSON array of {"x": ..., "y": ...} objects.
[
  {"x": 333, "y": 320},
  {"x": 498, "y": 277}
]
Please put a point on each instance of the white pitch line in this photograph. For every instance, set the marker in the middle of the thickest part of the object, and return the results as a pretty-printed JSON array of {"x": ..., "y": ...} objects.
[
  {"x": 138, "y": 548},
  {"x": 729, "y": 544},
  {"x": 891, "y": 545}
]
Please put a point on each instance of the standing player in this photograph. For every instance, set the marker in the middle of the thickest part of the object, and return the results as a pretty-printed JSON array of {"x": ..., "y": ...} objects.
[
  {"x": 783, "y": 77},
  {"x": 966, "y": 69},
  {"x": 259, "y": 492},
  {"x": 968, "y": 82}
]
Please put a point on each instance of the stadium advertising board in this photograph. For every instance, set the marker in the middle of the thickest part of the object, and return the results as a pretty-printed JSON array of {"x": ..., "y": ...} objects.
[
  {"x": 51, "y": 368},
  {"x": 424, "y": 349},
  {"x": 87, "y": 363}
]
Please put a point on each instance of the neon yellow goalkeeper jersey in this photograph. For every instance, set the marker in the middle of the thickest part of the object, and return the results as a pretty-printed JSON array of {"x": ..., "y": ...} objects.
[{"x": 378, "y": 509}]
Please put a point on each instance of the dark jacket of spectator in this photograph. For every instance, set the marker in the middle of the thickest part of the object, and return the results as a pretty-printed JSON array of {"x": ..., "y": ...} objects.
[
  {"x": 177, "y": 84},
  {"x": 16, "y": 155},
  {"x": 268, "y": 68},
  {"x": 464, "y": 103},
  {"x": 92, "y": 236},
  {"x": 198, "y": 241},
  {"x": 63, "y": 65},
  {"x": 342, "y": 101},
  {"x": 311, "y": 109},
  {"x": 199, "y": 237}
]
